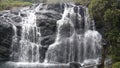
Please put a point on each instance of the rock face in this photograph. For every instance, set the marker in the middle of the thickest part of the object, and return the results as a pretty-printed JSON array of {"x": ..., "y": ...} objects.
[
  {"x": 6, "y": 33},
  {"x": 7, "y": 22},
  {"x": 48, "y": 27},
  {"x": 47, "y": 23}
]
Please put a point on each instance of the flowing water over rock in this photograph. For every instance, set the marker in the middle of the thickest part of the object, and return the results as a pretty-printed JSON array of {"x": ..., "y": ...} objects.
[
  {"x": 28, "y": 50},
  {"x": 77, "y": 40},
  {"x": 69, "y": 36}
]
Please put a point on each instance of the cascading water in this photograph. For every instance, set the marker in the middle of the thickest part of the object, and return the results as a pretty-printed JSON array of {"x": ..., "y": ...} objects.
[
  {"x": 76, "y": 39},
  {"x": 28, "y": 50}
]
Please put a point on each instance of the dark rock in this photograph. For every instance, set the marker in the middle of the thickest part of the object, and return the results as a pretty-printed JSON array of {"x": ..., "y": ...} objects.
[
  {"x": 47, "y": 22},
  {"x": 19, "y": 30},
  {"x": 75, "y": 65},
  {"x": 56, "y": 7},
  {"x": 17, "y": 19},
  {"x": 23, "y": 14},
  {"x": 42, "y": 51},
  {"x": 48, "y": 27},
  {"x": 11, "y": 18},
  {"x": 46, "y": 41},
  {"x": 46, "y": 31},
  {"x": 53, "y": 16},
  {"x": 81, "y": 11},
  {"x": 6, "y": 34},
  {"x": 76, "y": 9}
]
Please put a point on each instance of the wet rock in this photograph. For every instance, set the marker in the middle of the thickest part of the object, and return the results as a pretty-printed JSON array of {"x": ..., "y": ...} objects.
[
  {"x": 81, "y": 11},
  {"x": 11, "y": 18},
  {"x": 16, "y": 19},
  {"x": 4, "y": 12},
  {"x": 56, "y": 7},
  {"x": 48, "y": 32},
  {"x": 47, "y": 22},
  {"x": 76, "y": 9},
  {"x": 75, "y": 65},
  {"x": 6, "y": 34},
  {"x": 23, "y": 15},
  {"x": 46, "y": 41},
  {"x": 42, "y": 51},
  {"x": 48, "y": 27},
  {"x": 55, "y": 16}
]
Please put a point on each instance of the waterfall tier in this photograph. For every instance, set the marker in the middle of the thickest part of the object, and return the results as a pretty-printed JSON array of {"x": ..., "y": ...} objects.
[
  {"x": 49, "y": 34},
  {"x": 77, "y": 40}
]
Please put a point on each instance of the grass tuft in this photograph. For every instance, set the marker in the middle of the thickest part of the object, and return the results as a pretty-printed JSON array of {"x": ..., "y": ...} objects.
[{"x": 9, "y": 4}]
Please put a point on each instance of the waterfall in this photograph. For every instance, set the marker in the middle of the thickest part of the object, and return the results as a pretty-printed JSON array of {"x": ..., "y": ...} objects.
[
  {"x": 76, "y": 40},
  {"x": 28, "y": 48}
]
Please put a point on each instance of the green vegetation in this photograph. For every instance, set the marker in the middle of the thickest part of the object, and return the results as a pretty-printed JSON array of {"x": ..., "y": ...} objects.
[
  {"x": 85, "y": 2},
  {"x": 7, "y": 4},
  {"x": 116, "y": 65},
  {"x": 106, "y": 14}
]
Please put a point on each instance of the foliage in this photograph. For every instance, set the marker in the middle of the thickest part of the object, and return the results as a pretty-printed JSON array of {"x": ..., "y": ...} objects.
[
  {"x": 85, "y": 2},
  {"x": 106, "y": 13},
  {"x": 7, "y": 4},
  {"x": 116, "y": 65}
]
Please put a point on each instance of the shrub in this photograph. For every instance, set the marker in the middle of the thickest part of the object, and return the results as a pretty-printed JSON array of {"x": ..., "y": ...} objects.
[{"x": 116, "y": 65}]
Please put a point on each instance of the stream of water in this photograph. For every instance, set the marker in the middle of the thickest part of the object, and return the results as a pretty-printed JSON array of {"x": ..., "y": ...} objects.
[{"x": 76, "y": 40}]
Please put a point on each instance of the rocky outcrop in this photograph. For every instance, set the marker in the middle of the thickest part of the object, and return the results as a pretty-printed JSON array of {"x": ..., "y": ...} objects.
[
  {"x": 7, "y": 20},
  {"x": 47, "y": 21},
  {"x": 6, "y": 33}
]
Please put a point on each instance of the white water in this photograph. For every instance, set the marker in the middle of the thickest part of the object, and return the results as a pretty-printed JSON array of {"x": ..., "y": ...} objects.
[
  {"x": 76, "y": 41},
  {"x": 29, "y": 44}
]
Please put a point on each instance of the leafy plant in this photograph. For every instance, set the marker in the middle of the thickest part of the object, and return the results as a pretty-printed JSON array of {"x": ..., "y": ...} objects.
[{"x": 116, "y": 65}]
